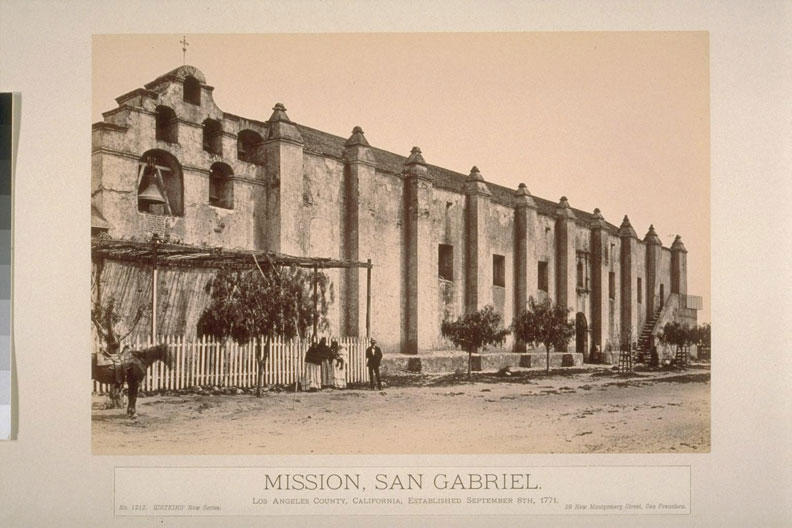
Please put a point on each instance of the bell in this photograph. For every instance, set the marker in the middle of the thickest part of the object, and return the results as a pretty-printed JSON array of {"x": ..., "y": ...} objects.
[{"x": 152, "y": 194}]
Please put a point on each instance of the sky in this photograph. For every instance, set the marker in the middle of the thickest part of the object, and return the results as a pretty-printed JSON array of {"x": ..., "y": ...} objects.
[{"x": 614, "y": 120}]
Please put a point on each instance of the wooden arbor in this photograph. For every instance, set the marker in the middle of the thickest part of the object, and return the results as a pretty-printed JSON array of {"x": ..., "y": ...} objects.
[{"x": 158, "y": 253}]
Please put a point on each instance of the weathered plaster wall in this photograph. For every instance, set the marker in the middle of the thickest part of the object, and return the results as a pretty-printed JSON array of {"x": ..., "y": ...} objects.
[
  {"x": 612, "y": 305},
  {"x": 428, "y": 329},
  {"x": 319, "y": 221},
  {"x": 639, "y": 271},
  {"x": 321, "y": 216},
  {"x": 285, "y": 177},
  {"x": 448, "y": 224},
  {"x": 663, "y": 275},
  {"x": 544, "y": 247},
  {"x": 582, "y": 295},
  {"x": 499, "y": 221},
  {"x": 381, "y": 217},
  {"x": 683, "y": 273}
]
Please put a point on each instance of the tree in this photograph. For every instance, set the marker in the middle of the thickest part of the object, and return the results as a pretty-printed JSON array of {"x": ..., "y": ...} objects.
[
  {"x": 474, "y": 330},
  {"x": 267, "y": 302},
  {"x": 107, "y": 319},
  {"x": 703, "y": 335},
  {"x": 677, "y": 335},
  {"x": 544, "y": 323}
]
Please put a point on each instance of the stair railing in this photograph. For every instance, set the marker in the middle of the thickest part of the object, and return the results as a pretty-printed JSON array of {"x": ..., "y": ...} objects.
[
  {"x": 655, "y": 320},
  {"x": 666, "y": 307}
]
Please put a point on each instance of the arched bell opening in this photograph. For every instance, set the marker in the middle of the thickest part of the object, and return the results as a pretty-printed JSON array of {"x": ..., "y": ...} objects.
[{"x": 160, "y": 187}]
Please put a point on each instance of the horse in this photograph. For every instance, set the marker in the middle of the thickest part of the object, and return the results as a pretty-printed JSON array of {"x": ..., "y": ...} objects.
[{"x": 132, "y": 370}]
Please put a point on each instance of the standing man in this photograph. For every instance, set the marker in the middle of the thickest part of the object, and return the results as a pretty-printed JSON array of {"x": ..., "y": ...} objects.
[{"x": 373, "y": 359}]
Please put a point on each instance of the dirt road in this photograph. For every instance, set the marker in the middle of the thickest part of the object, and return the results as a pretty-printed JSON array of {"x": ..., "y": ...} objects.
[{"x": 584, "y": 412}]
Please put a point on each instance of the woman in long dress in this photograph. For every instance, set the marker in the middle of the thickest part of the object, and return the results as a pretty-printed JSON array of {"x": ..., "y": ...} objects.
[
  {"x": 327, "y": 364},
  {"x": 312, "y": 379},
  {"x": 313, "y": 376},
  {"x": 339, "y": 363}
]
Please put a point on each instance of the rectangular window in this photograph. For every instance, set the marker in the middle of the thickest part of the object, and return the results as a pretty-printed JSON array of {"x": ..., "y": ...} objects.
[
  {"x": 640, "y": 295},
  {"x": 543, "y": 276},
  {"x": 582, "y": 271},
  {"x": 612, "y": 285},
  {"x": 498, "y": 270},
  {"x": 445, "y": 262}
]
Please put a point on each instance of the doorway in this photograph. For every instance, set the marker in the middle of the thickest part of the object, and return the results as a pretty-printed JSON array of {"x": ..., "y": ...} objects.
[{"x": 581, "y": 334}]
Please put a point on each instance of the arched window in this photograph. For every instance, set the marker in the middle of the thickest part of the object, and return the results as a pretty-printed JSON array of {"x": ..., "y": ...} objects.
[
  {"x": 248, "y": 147},
  {"x": 221, "y": 186},
  {"x": 213, "y": 137},
  {"x": 160, "y": 188},
  {"x": 167, "y": 125},
  {"x": 192, "y": 91}
]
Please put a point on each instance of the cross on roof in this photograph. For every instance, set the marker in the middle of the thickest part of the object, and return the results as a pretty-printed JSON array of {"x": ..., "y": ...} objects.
[{"x": 184, "y": 44}]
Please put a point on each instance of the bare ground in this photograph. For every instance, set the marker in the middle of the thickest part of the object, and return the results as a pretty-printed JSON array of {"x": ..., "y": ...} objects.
[{"x": 528, "y": 412}]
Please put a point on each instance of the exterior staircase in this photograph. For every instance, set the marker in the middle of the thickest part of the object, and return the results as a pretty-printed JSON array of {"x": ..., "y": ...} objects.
[{"x": 645, "y": 339}]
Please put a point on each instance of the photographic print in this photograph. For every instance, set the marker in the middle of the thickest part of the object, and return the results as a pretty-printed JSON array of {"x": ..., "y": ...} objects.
[{"x": 445, "y": 243}]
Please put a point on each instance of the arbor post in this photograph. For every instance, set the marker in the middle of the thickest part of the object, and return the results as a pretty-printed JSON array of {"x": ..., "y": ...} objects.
[
  {"x": 155, "y": 241},
  {"x": 99, "y": 270},
  {"x": 315, "y": 306}
]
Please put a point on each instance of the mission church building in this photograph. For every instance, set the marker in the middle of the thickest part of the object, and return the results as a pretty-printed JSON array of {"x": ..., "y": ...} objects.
[{"x": 168, "y": 161}]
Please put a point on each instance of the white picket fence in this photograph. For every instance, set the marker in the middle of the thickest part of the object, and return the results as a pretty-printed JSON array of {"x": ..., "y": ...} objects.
[{"x": 207, "y": 362}]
